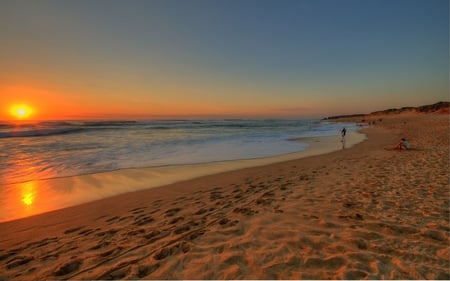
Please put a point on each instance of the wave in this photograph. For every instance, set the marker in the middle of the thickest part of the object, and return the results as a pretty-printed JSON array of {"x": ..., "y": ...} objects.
[
  {"x": 107, "y": 123},
  {"x": 49, "y": 128},
  {"x": 39, "y": 132}
]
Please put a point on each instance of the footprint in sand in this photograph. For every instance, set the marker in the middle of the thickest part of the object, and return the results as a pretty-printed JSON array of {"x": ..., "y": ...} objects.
[
  {"x": 333, "y": 263},
  {"x": 107, "y": 233},
  {"x": 144, "y": 221},
  {"x": 436, "y": 235},
  {"x": 145, "y": 270},
  {"x": 73, "y": 230},
  {"x": 42, "y": 243},
  {"x": 152, "y": 234},
  {"x": 215, "y": 195},
  {"x": 86, "y": 232},
  {"x": 50, "y": 257},
  {"x": 245, "y": 211},
  {"x": 116, "y": 274},
  {"x": 119, "y": 271},
  {"x": 175, "y": 220},
  {"x": 194, "y": 235},
  {"x": 355, "y": 275},
  {"x": 156, "y": 235},
  {"x": 180, "y": 247},
  {"x": 137, "y": 211},
  {"x": 265, "y": 202},
  {"x": 182, "y": 229},
  {"x": 236, "y": 190},
  {"x": 67, "y": 268},
  {"x": 136, "y": 232},
  {"x": 111, "y": 252},
  {"x": 172, "y": 212},
  {"x": 181, "y": 199},
  {"x": 7, "y": 255},
  {"x": 225, "y": 222},
  {"x": 18, "y": 261},
  {"x": 99, "y": 246},
  {"x": 201, "y": 211},
  {"x": 112, "y": 219}
]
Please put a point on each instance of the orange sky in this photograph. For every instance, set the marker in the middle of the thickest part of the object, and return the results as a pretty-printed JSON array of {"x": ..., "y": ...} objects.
[
  {"x": 64, "y": 104},
  {"x": 51, "y": 104}
]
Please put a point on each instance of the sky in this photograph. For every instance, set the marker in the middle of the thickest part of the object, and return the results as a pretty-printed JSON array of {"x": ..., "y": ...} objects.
[{"x": 224, "y": 58}]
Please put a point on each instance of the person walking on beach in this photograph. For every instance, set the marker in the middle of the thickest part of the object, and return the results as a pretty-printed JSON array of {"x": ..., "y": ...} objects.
[{"x": 343, "y": 133}]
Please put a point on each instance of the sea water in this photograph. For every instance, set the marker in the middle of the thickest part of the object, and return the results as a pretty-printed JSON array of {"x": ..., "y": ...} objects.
[{"x": 42, "y": 150}]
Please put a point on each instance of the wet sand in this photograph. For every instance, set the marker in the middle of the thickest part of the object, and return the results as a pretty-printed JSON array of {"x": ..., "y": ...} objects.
[{"x": 361, "y": 213}]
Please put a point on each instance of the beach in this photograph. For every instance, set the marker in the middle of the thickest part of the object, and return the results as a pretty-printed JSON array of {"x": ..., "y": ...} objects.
[{"x": 365, "y": 212}]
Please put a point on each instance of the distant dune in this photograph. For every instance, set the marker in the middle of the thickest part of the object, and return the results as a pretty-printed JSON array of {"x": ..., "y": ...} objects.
[{"x": 439, "y": 107}]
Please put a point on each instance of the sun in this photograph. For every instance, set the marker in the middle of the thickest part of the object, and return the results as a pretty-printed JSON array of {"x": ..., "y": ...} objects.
[{"x": 21, "y": 111}]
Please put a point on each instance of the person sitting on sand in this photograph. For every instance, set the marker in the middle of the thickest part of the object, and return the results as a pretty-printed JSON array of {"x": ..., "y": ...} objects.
[{"x": 403, "y": 145}]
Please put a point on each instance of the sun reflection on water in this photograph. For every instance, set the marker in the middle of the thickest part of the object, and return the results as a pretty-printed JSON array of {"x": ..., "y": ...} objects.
[
  {"x": 28, "y": 193},
  {"x": 24, "y": 198}
]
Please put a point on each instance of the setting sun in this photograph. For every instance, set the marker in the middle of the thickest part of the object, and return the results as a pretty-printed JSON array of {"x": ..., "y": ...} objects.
[{"x": 21, "y": 111}]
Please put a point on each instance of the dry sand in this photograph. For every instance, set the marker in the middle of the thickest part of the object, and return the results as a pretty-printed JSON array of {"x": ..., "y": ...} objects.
[{"x": 359, "y": 213}]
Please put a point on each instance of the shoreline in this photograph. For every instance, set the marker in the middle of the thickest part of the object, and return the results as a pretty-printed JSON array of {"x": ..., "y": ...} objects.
[
  {"x": 142, "y": 150},
  {"x": 359, "y": 213},
  {"x": 63, "y": 192}
]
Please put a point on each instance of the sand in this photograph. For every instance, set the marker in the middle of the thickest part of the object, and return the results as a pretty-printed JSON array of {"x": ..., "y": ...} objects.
[{"x": 367, "y": 212}]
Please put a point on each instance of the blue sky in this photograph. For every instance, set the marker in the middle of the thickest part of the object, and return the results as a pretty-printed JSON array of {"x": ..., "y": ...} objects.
[{"x": 239, "y": 58}]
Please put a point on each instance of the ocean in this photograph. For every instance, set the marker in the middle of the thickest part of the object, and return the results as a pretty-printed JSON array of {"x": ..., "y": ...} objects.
[{"x": 51, "y": 149}]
